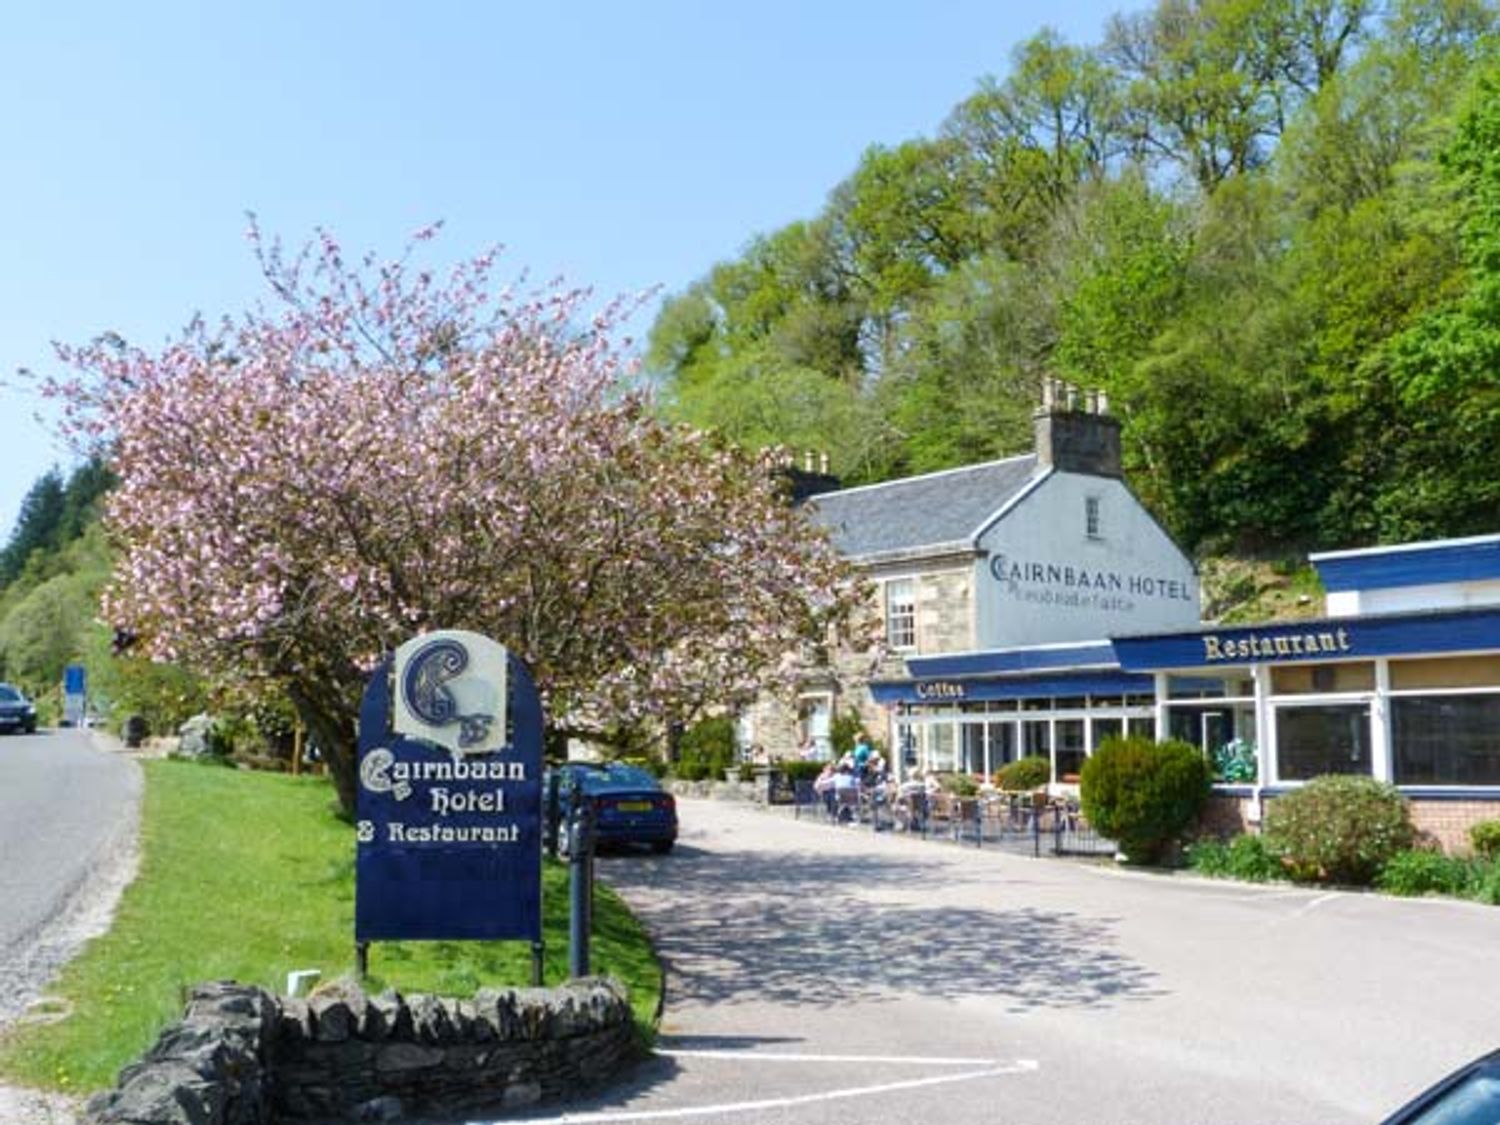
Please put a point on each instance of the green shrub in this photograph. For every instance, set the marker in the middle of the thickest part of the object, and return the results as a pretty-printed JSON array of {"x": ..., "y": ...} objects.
[
  {"x": 1338, "y": 829},
  {"x": 1484, "y": 884},
  {"x": 706, "y": 750},
  {"x": 1143, "y": 794},
  {"x": 795, "y": 771},
  {"x": 1421, "y": 872},
  {"x": 845, "y": 730},
  {"x": 1024, "y": 774},
  {"x": 1485, "y": 836},
  {"x": 959, "y": 784},
  {"x": 1245, "y": 857}
]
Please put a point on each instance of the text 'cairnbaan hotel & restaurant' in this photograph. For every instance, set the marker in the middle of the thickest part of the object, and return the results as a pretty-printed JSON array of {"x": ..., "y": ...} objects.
[{"x": 1033, "y": 606}]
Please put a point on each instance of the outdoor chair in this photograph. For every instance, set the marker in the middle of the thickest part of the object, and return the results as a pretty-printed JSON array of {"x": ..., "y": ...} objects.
[
  {"x": 846, "y": 806},
  {"x": 804, "y": 796}
]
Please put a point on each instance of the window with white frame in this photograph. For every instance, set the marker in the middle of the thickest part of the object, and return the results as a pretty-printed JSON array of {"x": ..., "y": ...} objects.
[
  {"x": 1093, "y": 520},
  {"x": 901, "y": 613}
]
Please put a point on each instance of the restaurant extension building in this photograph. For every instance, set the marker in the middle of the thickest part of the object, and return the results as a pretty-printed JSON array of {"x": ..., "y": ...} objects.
[{"x": 1034, "y": 606}]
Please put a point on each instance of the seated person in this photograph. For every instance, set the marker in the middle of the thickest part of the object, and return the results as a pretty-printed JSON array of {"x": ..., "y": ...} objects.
[
  {"x": 823, "y": 786},
  {"x": 845, "y": 789}
]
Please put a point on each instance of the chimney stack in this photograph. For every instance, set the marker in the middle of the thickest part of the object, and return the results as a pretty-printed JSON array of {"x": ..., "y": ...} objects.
[{"x": 1074, "y": 440}]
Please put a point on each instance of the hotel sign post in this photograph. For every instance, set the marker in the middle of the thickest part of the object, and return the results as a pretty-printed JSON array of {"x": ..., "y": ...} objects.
[{"x": 448, "y": 830}]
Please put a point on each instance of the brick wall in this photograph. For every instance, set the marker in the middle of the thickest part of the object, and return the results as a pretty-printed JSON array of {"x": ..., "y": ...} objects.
[{"x": 1447, "y": 822}]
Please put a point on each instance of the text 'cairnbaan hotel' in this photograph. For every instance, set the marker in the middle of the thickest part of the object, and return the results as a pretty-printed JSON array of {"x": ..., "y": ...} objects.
[{"x": 1033, "y": 606}]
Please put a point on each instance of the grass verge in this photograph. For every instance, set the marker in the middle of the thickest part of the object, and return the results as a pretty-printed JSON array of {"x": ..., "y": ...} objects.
[{"x": 248, "y": 876}]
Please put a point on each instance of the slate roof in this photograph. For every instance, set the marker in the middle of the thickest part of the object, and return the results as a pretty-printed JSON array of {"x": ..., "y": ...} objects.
[{"x": 942, "y": 509}]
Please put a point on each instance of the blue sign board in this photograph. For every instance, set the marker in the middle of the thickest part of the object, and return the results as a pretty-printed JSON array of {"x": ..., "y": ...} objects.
[
  {"x": 449, "y": 821},
  {"x": 73, "y": 679}
]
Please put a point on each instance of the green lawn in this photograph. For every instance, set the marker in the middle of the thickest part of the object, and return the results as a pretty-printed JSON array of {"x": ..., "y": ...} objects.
[{"x": 247, "y": 876}]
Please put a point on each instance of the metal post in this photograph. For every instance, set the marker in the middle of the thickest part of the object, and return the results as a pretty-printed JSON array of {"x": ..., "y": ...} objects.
[
  {"x": 538, "y": 956},
  {"x": 580, "y": 882},
  {"x": 553, "y": 812},
  {"x": 362, "y": 959}
]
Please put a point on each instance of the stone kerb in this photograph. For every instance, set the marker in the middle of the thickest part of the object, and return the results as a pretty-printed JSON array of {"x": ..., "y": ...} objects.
[{"x": 241, "y": 1056}]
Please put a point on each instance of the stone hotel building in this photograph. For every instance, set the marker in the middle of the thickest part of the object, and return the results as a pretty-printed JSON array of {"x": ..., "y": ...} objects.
[{"x": 1033, "y": 606}]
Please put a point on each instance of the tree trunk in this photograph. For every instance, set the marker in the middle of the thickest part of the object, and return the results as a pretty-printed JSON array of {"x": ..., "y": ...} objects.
[{"x": 333, "y": 731}]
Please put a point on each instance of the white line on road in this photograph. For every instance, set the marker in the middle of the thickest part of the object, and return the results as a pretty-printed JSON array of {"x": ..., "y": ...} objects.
[
  {"x": 748, "y": 1056},
  {"x": 1020, "y": 1066}
]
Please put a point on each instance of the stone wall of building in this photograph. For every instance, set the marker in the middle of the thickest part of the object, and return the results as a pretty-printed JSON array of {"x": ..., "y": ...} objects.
[{"x": 242, "y": 1056}]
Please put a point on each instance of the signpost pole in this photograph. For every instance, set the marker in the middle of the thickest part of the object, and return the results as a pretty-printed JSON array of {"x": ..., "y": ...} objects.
[
  {"x": 580, "y": 882},
  {"x": 362, "y": 959}
]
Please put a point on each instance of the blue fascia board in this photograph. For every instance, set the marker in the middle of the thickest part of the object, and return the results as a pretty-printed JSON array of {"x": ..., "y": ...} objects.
[
  {"x": 1010, "y": 661},
  {"x": 936, "y": 691},
  {"x": 1338, "y": 638},
  {"x": 1431, "y": 565}
]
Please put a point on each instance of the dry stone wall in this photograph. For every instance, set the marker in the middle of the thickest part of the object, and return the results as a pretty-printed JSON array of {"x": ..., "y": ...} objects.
[{"x": 242, "y": 1056}]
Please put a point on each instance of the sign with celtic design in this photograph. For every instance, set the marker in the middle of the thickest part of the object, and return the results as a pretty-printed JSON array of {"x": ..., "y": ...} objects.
[{"x": 448, "y": 835}]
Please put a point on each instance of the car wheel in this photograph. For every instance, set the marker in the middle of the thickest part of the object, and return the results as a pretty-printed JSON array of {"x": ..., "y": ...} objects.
[{"x": 662, "y": 847}]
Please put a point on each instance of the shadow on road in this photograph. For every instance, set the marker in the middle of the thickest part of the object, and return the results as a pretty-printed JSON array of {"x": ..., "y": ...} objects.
[{"x": 793, "y": 928}]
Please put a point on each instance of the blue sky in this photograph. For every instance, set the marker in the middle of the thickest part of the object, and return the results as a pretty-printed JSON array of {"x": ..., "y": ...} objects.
[{"x": 623, "y": 146}]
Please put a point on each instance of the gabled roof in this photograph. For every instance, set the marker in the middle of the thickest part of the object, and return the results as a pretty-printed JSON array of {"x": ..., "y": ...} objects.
[{"x": 921, "y": 514}]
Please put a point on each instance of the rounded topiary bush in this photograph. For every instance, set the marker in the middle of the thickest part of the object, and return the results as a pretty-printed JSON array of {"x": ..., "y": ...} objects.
[
  {"x": 1339, "y": 829},
  {"x": 1143, "y": 794},
  {"x": 1024, "y": 774}
]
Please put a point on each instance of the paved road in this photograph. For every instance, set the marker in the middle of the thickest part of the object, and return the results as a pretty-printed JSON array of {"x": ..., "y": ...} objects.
[
  {"x": 67, "y": 822},
  {"x": 822, "y": 975}
]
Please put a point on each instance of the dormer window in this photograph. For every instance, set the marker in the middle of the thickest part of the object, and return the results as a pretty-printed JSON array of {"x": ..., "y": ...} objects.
[{"x": 1093, "y": 523}]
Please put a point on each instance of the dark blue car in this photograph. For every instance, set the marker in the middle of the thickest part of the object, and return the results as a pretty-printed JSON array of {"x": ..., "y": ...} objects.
[
  {"x": 17, "y": 713},
  {"x": 1468, "y": 1096},
  {"x": 630, "y": 806}
]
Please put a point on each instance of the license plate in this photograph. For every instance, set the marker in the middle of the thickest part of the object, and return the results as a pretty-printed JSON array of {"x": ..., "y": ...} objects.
[{"x": 634, "y": 806}]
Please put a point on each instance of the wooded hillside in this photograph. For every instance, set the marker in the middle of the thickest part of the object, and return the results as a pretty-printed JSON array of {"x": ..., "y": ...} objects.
[{"x": 1269, "y": 230}]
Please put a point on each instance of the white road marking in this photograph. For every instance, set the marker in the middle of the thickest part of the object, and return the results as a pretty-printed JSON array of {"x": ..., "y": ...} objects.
[
  {"x": 759, "y": 1056},
  {"x": 1020, "y": 1066}
]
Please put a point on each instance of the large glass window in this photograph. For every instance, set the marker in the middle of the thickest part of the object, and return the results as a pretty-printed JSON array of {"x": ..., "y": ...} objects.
[
  {"x": 901, "y": 613},
  {"x": 972, "y": 760},
  {"x": 1036, "y": 735},
  {"x": 1311, "y": 741},
  {"x": 1447, "y": 740},
  {"x": 1070, "y": 749},
  {"x": 941, "y": 749},
  {"x": 1107, "y": 728},
  {"x": 1002, "y": 744}
]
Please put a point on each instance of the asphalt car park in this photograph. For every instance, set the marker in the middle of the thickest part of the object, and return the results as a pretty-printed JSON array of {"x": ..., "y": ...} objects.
[{"x": 819, "y": 973}]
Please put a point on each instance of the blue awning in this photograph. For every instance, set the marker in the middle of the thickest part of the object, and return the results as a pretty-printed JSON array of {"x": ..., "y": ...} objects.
[
  {"x": 974, "y": 690},
  {"x": 1336, "y": 638}
]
